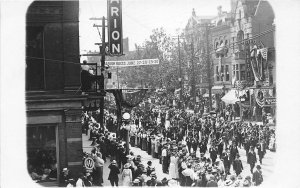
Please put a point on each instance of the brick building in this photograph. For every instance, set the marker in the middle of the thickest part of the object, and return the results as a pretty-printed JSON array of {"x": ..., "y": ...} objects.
[{"x": 53, "y": 96}]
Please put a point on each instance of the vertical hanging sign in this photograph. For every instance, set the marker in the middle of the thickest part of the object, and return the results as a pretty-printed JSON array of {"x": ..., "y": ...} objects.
[{"x": 114, "y": 20}]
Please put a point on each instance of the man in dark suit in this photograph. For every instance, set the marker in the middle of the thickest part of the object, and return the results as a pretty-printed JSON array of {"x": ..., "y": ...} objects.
[
  {"x": 251, "y": 158},
  {"x": 226, "y": 161},
  {"x": 261, "y": 150}
]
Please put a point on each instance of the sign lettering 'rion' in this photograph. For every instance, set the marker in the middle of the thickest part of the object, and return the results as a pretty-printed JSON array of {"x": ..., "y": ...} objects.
[{"x": 114, "y": 16}]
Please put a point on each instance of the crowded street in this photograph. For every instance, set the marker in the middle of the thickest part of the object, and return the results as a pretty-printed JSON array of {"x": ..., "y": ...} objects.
[{"x": 188, "y": 103}]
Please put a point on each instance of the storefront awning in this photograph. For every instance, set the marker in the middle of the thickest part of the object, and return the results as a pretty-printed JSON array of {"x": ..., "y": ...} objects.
[
  {"x": 232, "y": 96},
  {"x": 217, "y": 89}
]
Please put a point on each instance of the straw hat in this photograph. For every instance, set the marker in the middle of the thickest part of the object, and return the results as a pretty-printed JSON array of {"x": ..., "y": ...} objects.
[
  {"x": 228, "y": 182},
  {"x": 127, "y": 165},
  {"x": 114, "y": 162}
]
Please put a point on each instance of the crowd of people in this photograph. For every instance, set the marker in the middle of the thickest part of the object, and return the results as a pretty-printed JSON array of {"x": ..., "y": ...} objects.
[{"x": 194, "y": 149}]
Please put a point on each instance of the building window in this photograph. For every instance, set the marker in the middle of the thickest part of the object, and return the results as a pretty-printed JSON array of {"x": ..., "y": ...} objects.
[
  {"x": 237, "y": 72},
  {"x": 35, "y": 64},
  {"x": 217, "y": 73},
  {"x": 41, "y": 151},
  {"x": 227, "y": 72},
  {"x": 243, "y": 71},
  {"x": 233, "y": 44},
  {"x": 222, "y": 73}
]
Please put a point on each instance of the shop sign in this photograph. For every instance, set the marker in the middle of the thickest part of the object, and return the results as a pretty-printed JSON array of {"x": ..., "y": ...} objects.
[
  {"x": 271, "y": 100},
  {"x": 89, "y": 163},
  {"x": 115, "y": 35}
]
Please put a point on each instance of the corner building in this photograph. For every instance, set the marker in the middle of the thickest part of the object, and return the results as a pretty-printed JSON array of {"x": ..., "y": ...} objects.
[{"x": 53, "y": 96}]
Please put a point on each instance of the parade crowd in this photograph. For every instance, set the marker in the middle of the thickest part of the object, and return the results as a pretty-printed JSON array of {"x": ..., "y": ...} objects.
[{"x": 194, "y": 149}]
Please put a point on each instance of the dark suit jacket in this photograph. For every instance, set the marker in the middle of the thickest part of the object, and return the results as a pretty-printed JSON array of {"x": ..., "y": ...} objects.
[{"x": 114, "y": 171}]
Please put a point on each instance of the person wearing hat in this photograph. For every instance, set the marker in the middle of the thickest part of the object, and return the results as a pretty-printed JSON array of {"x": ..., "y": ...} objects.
[
  {"x": 127, "y": 175},
  {"x": 189, "y": 175},
  {"x": 65, "y": 177},
  {"x": 251, "y": 158},
  {"x": 226, "y": 161},
  {"x": 113, "y": 174},
  {"x": 99, "y": 162},
  {"x": 164, "y": 159},
  {"x": 213, "y": 151},
  {"x": 247, "y": 182},
  {"x": 257, "y": 177},
  {"x": 136, "y": 183},
  {"x": 237, "y": 165},
  {"x": 211, "y": 182},
  {"x": 228, "y": 183},
  {"x": 150, "y": 168},
  {"x": 261, "y": 150}
]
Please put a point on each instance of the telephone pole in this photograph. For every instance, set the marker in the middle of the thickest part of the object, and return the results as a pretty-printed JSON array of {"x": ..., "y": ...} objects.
[
  {"x": 208, "y": 66},
  {"x": 180, "y": 73},
  {"x": 102, "y": 67}
]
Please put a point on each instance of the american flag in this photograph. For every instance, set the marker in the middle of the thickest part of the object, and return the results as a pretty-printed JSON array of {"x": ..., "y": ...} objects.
[
  {"x": 133, "y": 98},
  {"x": 264, "y": 52}
]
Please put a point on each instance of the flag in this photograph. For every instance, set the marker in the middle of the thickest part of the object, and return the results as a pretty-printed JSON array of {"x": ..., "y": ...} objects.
[
  {"x": 132, "y": 99},
  {"x": 264, "y": 52}
]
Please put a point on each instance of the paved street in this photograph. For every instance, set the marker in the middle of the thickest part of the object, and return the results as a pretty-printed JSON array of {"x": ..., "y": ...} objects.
[{"x": 267, "y": 165}]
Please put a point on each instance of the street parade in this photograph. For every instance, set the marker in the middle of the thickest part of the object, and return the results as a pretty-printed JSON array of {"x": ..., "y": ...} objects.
[
  {"x": 192, "y": 149},
  {"x": 151, "y": 94}
]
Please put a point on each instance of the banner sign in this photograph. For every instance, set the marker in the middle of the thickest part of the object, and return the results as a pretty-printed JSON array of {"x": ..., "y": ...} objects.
[
  {"x": 270, "y": 101},
  {"x": 114, "y": 21},
  {"x": 128, "y": 63}
]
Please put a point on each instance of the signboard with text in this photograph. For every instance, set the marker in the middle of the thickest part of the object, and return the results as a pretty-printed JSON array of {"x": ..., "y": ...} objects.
[
  {"x": 114, "y": 20},
  {"x": 127, "y": 63}
]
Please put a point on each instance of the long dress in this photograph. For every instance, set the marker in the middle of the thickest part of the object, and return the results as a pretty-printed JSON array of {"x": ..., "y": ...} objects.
[
  {"x": 173, "y": 170},
  {"x": 127, "y": 177}
]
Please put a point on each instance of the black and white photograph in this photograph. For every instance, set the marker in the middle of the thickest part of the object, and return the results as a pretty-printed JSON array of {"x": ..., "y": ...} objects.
[{"x": 146, "y": 93}]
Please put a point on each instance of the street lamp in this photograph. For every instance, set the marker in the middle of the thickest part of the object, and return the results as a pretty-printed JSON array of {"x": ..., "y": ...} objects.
[{"x": 126, "y": 117}]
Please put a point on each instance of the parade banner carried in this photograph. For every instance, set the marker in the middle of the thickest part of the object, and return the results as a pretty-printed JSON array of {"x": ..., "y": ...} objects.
[{"x": 128, "y": 63}]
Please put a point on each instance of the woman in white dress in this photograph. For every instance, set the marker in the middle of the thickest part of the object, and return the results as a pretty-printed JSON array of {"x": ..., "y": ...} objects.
[
  {"x": 173, "y": 169},
  {"x": 127, "y": 175}
]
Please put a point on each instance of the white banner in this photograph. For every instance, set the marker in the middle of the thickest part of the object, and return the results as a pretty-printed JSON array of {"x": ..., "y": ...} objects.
[{"x": 128, "y": 63}]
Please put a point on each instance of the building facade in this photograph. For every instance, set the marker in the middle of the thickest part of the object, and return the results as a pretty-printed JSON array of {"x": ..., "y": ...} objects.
[
  {"x": 53, "y": 95},
  {"x": 242, "y": 51},
  {"x": 221, "y": 35}
]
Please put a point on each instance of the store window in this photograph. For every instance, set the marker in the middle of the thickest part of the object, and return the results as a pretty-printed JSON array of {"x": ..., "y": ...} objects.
[
  {"x": 227, "y": 72},
  {"x": 41, "y": 152}
]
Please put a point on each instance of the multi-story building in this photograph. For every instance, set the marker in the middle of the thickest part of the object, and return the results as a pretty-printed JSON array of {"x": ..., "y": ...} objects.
[
  {"x": 53, "y": 96},
  {"x": 253, "y": 59},
  {"x": 221, "y": 34}
]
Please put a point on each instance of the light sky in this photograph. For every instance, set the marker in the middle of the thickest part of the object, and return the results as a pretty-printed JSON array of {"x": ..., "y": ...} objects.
[{"x": 140, "y": 17}]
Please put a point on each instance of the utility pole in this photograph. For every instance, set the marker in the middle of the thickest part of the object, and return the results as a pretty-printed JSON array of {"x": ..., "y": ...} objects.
[
  {"x": 102, "y": 67},
  {"x": 180, "y": 73},
  {"x": 208, "y": 66},
  {"x": 193, "y": 84}
]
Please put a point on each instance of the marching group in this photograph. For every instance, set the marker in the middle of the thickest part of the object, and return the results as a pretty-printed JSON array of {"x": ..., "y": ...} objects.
[{"x": 201, "y": 150}]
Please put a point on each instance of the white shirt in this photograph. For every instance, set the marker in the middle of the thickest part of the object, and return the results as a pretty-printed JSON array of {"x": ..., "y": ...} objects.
[
  {"x": 164, "y": 153},
  {"x": 79, "y": 183},
  {"x": 189, "y": 172}
]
